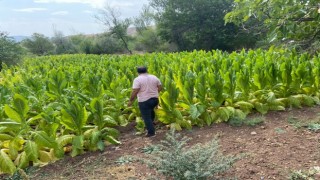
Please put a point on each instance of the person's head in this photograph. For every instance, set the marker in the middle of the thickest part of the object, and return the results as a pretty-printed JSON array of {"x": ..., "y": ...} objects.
[{"x": 142, "y": 69}]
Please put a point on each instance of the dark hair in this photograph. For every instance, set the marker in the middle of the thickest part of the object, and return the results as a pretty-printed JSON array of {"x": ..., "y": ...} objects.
[{"x": 142, "y": 69}]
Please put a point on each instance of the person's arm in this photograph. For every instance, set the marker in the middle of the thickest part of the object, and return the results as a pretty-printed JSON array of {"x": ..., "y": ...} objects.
[{"x": 133, "y": 96}]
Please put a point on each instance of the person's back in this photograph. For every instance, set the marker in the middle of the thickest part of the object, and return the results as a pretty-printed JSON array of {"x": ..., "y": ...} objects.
[{"x": 148, "y": 85}]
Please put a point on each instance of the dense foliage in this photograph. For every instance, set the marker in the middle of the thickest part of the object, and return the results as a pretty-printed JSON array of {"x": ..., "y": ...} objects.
[
  {"x": 10, "y": 51},
  {"x": 199, "y": 25},
  {"x": 39, "y": 44},
  {"x": 54, "y": 105},
  {"x": 289, "y": 23}
]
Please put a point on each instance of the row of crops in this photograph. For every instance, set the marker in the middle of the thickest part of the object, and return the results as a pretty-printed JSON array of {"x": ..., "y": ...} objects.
[{"x": 54, "y": 105}]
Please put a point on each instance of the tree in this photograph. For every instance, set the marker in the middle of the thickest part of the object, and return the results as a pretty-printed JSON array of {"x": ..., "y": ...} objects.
[
  {"x": 106, "y": 44},
  {"x": 118, "y": 27},
  {"x": 144, "y": 20},
  {"x": 39, "y": 44},
  {"x": 147, "y": 38},
  {"x": 10, "y": 51},
  {"x": 197, "y": 24},
  {"x": 63, "y": 45},
  {"x": 289, "y": 23}
]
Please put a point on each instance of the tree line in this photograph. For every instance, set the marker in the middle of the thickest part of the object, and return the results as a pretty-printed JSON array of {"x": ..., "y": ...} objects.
[{"x": 186, "y": 25}]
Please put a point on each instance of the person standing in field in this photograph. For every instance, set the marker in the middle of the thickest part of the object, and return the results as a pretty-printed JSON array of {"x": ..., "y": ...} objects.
[{"x": 146, "y": 87}]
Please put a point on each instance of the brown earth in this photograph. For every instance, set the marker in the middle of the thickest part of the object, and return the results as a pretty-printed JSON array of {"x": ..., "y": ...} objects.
[{"x": 273, "y": 150}]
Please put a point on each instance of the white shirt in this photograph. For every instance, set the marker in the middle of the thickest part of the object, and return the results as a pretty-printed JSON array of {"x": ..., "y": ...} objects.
[{"x": 148, "y": 85}]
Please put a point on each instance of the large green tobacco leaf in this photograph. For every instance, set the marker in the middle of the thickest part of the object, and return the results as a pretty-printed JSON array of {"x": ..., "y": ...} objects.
[
  {"x": 4, "y": 137},
  {"x": 14, "y": 146},
  {"x": 43, "y": 140},
  {"x": 246, "y": 107},
  {"x": 12, "y": 114},
  {"x": 6, "y": 164},
  {"x": 10, "y": 126},
  {"x": 74, "y": 117},
  {"x": 112, "y": 140},
  {"x": 32, "y": 151},
  {"x": 97, "y": 110},
  {"x": 186, "y": 85},
  {"x": 194, "y": 112},
  {"x": 77, "y": 145},
  {"x": 20, "y": 109},
  {"x": 22, "y": 160},
  {"x": 21, "y": 105},
  {"x": 64, "y": 140},
  {"x": 57, "y": 83}
]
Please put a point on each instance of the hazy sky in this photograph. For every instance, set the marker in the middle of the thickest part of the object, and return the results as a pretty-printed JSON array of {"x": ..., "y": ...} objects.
[{"x": 25, "y": 17}]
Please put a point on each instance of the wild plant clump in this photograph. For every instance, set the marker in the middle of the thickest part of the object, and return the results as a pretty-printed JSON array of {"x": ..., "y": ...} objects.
[
  {"x": 176, "y": 160},
  {"x": 312, "y": 174}
]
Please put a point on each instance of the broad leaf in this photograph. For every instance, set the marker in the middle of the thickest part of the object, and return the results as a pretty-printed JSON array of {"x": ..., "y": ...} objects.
[
  {"x": 77, "y": 145},
  {"x": 32, "y": 151},
  {"x": 12, "y": 114},
  {"x": 112, "y": 140},
  {"x": 43, "y": 140},
  {"x": 20, "y": 103},
  {"x": 6, "y": 165}
]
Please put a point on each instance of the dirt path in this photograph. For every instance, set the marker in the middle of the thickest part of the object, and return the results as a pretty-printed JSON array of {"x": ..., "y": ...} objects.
[{"x": 272, "y": 150}]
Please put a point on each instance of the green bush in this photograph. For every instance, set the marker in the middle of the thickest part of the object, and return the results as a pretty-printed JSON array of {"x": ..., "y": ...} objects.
[
  {"x": 10, "y": 51},
  {"x": 176, "y": 160}
]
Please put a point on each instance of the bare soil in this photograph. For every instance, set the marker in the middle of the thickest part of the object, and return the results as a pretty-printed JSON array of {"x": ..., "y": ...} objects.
[{"x": 273, "y": 150}]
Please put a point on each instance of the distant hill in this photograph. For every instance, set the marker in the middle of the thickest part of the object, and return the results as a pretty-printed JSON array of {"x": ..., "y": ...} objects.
[
  {"x": 19, "y": 38},
  {"x": 132, "y": 31}
]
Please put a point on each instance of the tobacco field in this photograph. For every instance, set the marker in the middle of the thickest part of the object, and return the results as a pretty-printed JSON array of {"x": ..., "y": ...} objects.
[{"x": 54, "y": 106}]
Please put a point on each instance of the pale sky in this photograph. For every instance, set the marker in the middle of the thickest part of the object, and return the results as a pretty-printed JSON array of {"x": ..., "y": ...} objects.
[{"x": 25, "y": 17}]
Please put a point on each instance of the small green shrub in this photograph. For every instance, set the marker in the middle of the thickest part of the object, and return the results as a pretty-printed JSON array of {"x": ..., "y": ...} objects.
[
  {"x": 280, "y": 130},
  {"x": 125, "y": 160},
  {"x": 312, "y": 125},
  {"x": 295, "y": 122},
  {"x": 254, "y": 121},
  {"x": 234, "y": 121},
  {"x": 176, "y": 160},
  {"x": 315, "y": 127},
  {"x": 246, "y": 122},
  {"x": 305, "y": 175},
  {"x": 150, "y": 149}
]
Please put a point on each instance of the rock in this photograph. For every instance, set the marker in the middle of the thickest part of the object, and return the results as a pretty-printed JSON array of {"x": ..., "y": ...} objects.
[{"x": 253, "y": 133}]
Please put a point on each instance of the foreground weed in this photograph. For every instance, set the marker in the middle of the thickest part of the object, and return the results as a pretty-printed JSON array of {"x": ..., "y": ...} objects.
[
  {"x": 315, "y": 127},
  {"x": 311, "y": 174},
  {"x": 125, "y": 160},
  {"x": 246, "y": 122},
  {"x": 178, "y": 161},
  {"x": 254, "y": 121},
  {"x": 312, "y": 125},
  {"x": 150, "y": 149},
  {"x": 280, "y": 130},
  {"x": 20, "y": 174},
  {"x": 295, "y": 122}
]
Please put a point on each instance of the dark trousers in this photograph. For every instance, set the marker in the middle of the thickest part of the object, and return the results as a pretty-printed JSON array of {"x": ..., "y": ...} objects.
[{"x": 148, "y": 114}]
